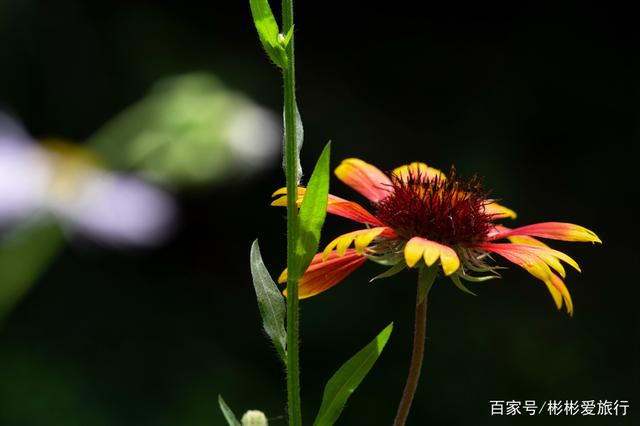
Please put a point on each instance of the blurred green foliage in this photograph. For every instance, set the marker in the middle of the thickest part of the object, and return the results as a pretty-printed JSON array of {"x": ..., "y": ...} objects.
[
  {"x": 181, "y": 133},
  {"x": 25, "y": 254}
]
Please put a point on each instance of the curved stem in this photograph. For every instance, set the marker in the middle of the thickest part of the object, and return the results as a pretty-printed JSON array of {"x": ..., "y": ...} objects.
[{"x": 416, "y": 361}]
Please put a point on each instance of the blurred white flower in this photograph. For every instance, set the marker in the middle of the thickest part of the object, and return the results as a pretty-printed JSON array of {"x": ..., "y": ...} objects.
[
  {"x": 254, "y": 136},
  {"x": 67, "y": 182}
]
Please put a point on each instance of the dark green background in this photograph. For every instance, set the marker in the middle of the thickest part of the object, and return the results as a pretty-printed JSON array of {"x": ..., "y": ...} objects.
[{"x": 541, "y": 102}]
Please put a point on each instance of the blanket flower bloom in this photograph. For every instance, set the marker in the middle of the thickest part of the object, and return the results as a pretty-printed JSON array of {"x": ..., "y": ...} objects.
[{"x": 424, "y": 218}]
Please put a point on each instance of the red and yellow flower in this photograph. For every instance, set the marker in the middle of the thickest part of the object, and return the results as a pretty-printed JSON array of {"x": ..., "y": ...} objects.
[{"x": 424, "y": 218}]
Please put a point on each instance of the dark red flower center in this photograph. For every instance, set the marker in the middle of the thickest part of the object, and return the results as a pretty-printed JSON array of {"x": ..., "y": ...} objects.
[{"x": 446, "y": 210}]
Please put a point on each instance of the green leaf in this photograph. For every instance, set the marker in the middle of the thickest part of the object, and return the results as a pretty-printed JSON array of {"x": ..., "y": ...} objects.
[
  {"x": 426, "y": 278},
  {"x": 287, "y": 38},
  {"x": 270, "y": 302},
  {"x": 268, "y": 32},
  {"x": 340, "y": 387},
  {"x": 473, "y": 279},
  {"x": 24, "y": 256},
  {"x": 182, "y": 133},
  {"x": 228, "y": 414},
  {"x": 457, "y": 283},
  {"x": 313, "y": 212},
  {"x": 395, "y": 269}
]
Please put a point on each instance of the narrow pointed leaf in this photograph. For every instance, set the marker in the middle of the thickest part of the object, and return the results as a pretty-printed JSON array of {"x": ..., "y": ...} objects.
[
  {"x": 313, "y": 212},
  {"x": 270, "y": 302},
  {"x": 231, "y": 418},
  {"x": 474, "y": 279},
  {"x": 340, "y": 387},
  {"x": 398, "y": 267},
  {"x": 287, "y": 38},
  {"x": 268, "y": 31},
  {"x": 457, "y": 283}
]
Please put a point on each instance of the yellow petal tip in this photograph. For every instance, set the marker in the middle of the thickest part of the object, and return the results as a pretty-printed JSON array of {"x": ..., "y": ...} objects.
[{"x": 280, "y": 191}]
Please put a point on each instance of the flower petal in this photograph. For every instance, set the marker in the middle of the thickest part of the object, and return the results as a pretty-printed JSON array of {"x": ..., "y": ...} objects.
[
  {"x": 449, "y": 259},
  {"x": 518, "y": 239},
  {"x": 554, "y": 231},
  {"x": 566, "y": 296},
  {"x": 526, "y": 259},
  {"x": 362, "y": 238},
  {"x": 413, "y": 251},
  {"x": 322, "y": 275},
  {"x": 555, "y": 294},
  {"x": 353, "y": 211},
  {"x": 341, "y": 244},
  {"x": 430, "y": 251},
  {"x": 534, "y": 259},
  {"x": 336, "y": 205},
  {"x": 550, "y": 260},
  {"x": 497, "y": 211},
  {"x": 496, "y": 230},
  {"x": 553, "y": 262},
  {"x": 416, "y": 169},
  {"x": 524, "y": 239},
  {"x": 544, "y": 253},
  {"x": 365, "y": 178}
]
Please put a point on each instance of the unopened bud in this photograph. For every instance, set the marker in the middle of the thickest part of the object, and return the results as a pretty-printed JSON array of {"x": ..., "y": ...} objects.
[{"x": 254, "y": 418}]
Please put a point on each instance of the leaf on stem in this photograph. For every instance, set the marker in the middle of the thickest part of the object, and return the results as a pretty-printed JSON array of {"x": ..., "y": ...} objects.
[
  {"x": 340, "y": 387},
  {"x": 228, "y": 414},
  {"x": 270, "y": 302},
  {"x": 312, "y": 213},
  {"x": 285, "y": 39},
  {"x": 268, "y": 32}
]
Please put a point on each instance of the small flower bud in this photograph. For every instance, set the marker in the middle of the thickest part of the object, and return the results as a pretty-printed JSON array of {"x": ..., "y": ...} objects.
[{"x": 254, "y": 418}]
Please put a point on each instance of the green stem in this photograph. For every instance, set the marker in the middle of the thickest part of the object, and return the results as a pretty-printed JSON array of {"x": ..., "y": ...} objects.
[
  {"x": 416, "y": 359},
  {"x": 291, "y": 172}
]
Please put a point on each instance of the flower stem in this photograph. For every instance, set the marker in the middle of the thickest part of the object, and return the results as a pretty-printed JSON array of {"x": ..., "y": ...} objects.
[
  {"x": 291, "y": 172},
  {"x": 417, "y": 356}
]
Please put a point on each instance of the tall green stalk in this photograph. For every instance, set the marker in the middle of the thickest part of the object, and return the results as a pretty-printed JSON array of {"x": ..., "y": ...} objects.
[{"x": 291, "y": 160}]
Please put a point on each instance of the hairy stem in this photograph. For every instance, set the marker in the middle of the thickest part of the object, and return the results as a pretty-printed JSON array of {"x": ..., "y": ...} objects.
[
  {"x": 291, "y": 170},
  {"x": 417, "y": 356}
]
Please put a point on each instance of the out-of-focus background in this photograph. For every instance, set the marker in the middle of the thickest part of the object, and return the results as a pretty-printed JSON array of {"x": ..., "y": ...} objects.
[{"x": 541, "y": 102}]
